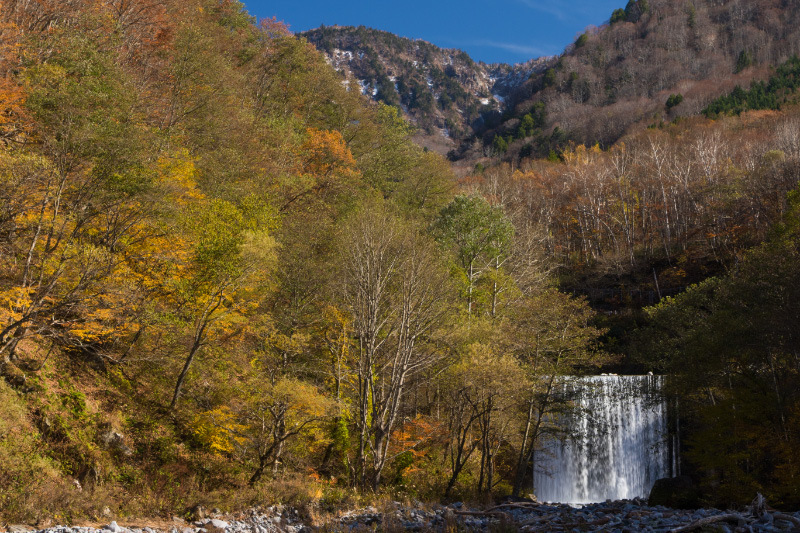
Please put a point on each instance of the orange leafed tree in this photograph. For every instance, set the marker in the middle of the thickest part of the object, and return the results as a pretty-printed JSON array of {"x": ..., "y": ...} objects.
[
  {"x": 326, "y": 168},
  {"x": 13, "y": 118}
]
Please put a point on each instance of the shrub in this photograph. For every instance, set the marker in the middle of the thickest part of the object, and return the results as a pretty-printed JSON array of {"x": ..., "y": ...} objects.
[{"x": 674, "y": 100}]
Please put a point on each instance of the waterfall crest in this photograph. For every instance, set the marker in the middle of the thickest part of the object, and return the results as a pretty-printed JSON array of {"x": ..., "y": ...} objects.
[{"x": 621, "y": 445}]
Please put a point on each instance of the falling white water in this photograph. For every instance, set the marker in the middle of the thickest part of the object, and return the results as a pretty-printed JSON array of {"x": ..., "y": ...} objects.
[{"x": 620, "y": 445}]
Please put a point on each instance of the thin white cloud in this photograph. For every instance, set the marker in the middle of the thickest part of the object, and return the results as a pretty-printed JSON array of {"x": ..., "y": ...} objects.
[
  {"x": 530, "y": 51},
  {"x": 545, "y": 7},
  {"x": 572, "y": 12}
]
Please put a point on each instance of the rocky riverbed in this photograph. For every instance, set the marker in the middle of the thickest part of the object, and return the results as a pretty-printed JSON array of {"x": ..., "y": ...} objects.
[{"x": 626, "y": 516}]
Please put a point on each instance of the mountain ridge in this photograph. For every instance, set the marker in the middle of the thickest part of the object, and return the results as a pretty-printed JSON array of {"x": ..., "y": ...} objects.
[
  {"x": 443, "y": 91},
  {"x": 620, "y": 76},
  {"x": 616, "y": 76}
]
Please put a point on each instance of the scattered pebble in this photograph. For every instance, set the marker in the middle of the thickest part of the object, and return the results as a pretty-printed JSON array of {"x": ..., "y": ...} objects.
[{"x": 621, "y": 516}]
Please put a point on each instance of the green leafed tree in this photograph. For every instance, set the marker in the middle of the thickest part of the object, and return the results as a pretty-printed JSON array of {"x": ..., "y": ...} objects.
[
  {"x": 554, "y": 337},
  {"x": 674, "y": 100},
  {"x": 225, "y": 272},
  {"x": 479, "y": 236}
]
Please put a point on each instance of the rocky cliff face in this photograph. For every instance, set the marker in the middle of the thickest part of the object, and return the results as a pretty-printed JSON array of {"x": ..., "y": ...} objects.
[{"x": 443, "y": 91}]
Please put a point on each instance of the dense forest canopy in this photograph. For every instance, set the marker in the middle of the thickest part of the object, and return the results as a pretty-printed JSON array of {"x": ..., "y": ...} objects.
[{"x": 226, "y": 277}]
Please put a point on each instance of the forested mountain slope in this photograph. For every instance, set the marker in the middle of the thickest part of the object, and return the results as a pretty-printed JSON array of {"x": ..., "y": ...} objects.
[
  {"x": 655, "y": 61},
  {"x": 642, "y": 198},
  {"x": 651, "y": 62},
  {"x": 444, "y": 93}
]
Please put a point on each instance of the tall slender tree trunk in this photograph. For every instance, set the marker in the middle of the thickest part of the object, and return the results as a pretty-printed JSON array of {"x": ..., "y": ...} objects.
[
  {"x": 494, "y": 286},
  {"x": 485, "y": 446},
  {"x": 471, "y": 282},
  {"x": 281, "y": 434},
  {"x": 523, "y": 453},
  {"x": 182, "y": 376},
  {"x": 201, "y": 327},
  {"x": 362, "y": 437}
]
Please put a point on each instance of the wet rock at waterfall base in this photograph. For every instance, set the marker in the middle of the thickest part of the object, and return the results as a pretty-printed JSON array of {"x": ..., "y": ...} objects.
[{"x": 676, "y": 492}]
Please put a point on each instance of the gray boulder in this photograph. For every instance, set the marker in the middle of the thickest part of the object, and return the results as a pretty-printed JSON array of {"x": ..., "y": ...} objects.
[
  {"x": 215, "y": 526},
  {"x": 113, "y": 528},
  {"x": 116, "y": 441}
]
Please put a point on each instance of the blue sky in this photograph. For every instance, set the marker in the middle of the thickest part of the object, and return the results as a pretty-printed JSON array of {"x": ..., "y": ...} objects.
[{"x": 507, "y": 31}]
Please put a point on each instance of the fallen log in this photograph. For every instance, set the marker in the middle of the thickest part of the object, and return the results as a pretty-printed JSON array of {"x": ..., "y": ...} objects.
[
  {"x": 567, "y": 525},
  {"x": 536, "y": 520},
  {"x": 697, "y": 524},
  {"x": 483, "y": 513},
  {"x": 541, "y": 528},
  {"x": 788, "y": 518},
  {"x": 516, "y": 505}
]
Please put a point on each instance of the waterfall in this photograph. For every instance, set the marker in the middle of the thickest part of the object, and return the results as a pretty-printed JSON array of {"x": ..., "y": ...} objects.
[{"x": 619, "y": 444}]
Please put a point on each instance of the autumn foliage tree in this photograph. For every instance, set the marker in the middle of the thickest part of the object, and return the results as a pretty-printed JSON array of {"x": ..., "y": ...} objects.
[{"x": 395, "y": 289}]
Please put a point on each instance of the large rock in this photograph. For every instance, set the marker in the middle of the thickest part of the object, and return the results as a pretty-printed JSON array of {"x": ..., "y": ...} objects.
[
  {"x": 215, "y": 526},
  {"x": 13, "y": 375},
  {"x": 113, "y": 528},
  {"x": 198, "y": 512},
  {"x": 676, "y": 492},
  {"x": 116, "y": 441}
]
